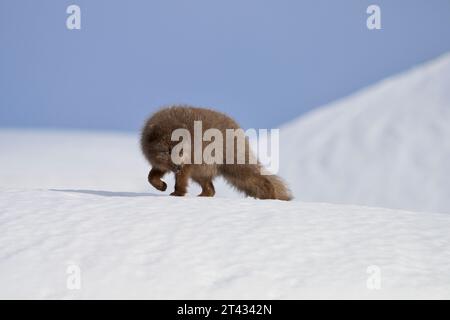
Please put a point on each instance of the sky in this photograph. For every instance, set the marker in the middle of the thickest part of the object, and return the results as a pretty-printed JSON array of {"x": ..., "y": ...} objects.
[{"x": 264, "y": 62}]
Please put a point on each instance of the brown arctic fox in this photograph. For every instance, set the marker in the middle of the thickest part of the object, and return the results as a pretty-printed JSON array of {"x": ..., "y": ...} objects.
[{"x": 157, "y": 144}]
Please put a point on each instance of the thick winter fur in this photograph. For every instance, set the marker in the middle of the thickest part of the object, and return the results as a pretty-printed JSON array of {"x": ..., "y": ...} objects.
[{"x": 156, "y": 145}]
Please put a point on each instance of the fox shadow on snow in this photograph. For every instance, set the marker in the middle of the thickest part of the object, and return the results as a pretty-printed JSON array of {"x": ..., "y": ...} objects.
[{"x": 108, "y": 193}]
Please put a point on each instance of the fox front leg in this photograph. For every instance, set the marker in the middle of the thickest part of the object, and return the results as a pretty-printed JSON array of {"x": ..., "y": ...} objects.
[
  {"x": 181, "y": 181},
  {"x": 154, "y": 177}
]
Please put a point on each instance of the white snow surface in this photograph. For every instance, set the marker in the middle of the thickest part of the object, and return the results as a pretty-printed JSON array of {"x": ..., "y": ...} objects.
[
  {"x": 82, "y": 199},
  {"x": 139, "y": 245},
  {"x": 387, "y": 145}
]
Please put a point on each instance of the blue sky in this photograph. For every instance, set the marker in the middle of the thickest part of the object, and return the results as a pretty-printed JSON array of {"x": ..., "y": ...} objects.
[{"x": 263, "y": 62}]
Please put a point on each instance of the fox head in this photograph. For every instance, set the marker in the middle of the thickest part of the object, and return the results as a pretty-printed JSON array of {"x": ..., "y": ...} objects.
[{"x": 157, "y": 147}]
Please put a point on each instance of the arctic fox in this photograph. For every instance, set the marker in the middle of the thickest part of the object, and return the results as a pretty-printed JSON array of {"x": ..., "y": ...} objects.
[{"x": 157, "y": 145}]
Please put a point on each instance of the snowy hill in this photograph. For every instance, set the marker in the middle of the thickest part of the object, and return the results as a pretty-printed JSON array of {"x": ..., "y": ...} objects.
[
  {"x": 139, "y": 245},
  {"x": 388, "y": 145}
]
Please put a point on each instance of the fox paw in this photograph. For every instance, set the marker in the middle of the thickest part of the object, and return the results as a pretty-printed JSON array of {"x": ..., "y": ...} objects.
[
  {"x": 162, "y": 186},
  {"x": 177, "y": 194},
  {"x": 206, "y": 194}
]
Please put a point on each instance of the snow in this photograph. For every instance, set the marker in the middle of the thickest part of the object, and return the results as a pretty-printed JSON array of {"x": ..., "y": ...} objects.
[
  {"x": 81, "y": 199},
  {"x": 140, "y": 245},
  {"x": 387, "y": 145}
]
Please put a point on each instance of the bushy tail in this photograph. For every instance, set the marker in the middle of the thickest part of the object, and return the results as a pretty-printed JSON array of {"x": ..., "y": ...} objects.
[{"x": 247, "y": 178}]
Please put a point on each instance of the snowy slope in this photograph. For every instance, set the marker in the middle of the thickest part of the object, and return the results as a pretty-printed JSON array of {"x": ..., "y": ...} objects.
[
  {"x": 136, "y": 245},
  {"x": 388, "y": 145}
]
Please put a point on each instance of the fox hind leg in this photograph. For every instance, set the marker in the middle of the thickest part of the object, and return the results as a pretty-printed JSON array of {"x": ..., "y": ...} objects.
[{"x": 207, "y": 187}]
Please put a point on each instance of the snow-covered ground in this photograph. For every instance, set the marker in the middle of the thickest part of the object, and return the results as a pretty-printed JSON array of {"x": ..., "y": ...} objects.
[
  {"x": 139, "y": 245},
  {"x": 79, "y": 201}
]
